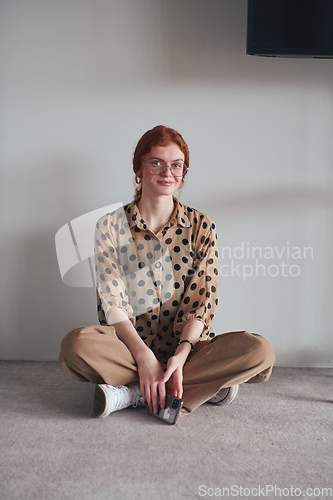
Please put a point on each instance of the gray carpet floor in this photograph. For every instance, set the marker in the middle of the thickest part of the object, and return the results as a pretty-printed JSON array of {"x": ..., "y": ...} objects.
[{"x": 273, "y": 441}]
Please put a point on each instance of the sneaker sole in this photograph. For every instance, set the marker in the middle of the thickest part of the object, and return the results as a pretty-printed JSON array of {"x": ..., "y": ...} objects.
[
  {"x": 99, "y": 403},
  {"x": 228, "y": 398}
]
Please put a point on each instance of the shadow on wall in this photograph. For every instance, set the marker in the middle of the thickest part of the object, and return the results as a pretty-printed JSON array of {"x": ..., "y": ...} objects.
[
  {"x": 38, "y": 309},
  {"x": 305, "y": 303},
  {"x": 273, "y": 199},
  {"x": 305, "y": 357},
  {"x": 39, "y": 306}
]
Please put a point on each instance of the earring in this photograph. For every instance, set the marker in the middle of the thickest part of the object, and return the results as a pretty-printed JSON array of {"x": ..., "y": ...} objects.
[{"x": 137, "y": 179}]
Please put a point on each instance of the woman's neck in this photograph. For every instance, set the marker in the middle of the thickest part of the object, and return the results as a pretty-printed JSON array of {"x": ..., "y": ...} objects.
[{"x": 157, "y": 211}]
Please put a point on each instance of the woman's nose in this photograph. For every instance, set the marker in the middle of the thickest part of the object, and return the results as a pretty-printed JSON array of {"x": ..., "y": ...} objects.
[{"x": 166, "y": 170}]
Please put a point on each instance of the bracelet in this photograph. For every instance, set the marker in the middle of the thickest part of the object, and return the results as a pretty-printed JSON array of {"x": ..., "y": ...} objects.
[{"x": 182, "y": 341}]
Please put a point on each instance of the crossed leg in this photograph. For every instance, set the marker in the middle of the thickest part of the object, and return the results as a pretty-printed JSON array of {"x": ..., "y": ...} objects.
[{"x": 96, "y": 354}]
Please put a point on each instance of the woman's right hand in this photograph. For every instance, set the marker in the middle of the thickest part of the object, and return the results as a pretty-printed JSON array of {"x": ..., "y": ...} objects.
[{"x": 151, "y": 376}]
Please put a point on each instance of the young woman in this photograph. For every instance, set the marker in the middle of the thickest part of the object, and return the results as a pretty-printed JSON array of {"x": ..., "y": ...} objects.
[{"x": 157, "y": 281}]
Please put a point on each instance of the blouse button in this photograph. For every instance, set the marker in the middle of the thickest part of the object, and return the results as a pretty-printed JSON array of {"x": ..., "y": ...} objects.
[{"x": 158, "y": 265}]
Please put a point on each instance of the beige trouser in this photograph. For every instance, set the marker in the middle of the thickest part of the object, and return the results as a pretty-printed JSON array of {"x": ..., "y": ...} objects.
[{"x": 95, "y": 354}]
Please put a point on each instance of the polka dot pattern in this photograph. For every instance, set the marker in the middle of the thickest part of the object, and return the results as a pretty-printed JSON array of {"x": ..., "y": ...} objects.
[{"x": 161, "y": 280}]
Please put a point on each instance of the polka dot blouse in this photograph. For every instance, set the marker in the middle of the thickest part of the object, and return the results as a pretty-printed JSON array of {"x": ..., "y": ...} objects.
[{"x": 161, "y": 280}]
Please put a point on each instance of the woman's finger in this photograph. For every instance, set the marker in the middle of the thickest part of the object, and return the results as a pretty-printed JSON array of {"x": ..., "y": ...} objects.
[
  {"x": 148, "y": 397},
  {"x": 179, "y": 385},
  {"x": 161, "y": 393},
  {"x": 154, "y": 398},
  {"x": 142, "y": 387},
  {"x": 167, "y": 374}
]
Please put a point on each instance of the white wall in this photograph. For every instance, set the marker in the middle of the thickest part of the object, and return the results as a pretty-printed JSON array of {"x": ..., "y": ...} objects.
[{"x": 83, "y": 79}]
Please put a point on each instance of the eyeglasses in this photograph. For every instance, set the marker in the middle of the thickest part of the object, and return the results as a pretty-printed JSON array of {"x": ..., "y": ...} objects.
[{"x": 159, "y": 167}]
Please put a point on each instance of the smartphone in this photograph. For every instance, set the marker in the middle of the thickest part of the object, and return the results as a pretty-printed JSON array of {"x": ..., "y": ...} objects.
[{"x": 171, "y": 410}]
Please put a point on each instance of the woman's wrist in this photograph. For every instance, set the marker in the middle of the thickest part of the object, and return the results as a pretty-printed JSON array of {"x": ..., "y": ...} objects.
[
  {"x": 182, "y": 352},
  {"x": 183, "y": 342},
  {"x": 141, "y": 353},
  {"x": 126, "y": 332}
]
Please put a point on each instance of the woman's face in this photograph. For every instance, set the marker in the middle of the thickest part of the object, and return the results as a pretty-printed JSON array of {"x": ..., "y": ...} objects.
[{"x": 164, "y": 183}]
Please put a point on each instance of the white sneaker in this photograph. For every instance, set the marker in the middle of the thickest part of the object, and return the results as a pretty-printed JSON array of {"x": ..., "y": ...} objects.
[
  {"x": 109, "y": 398},
  {"x": 225, "y": 396}
]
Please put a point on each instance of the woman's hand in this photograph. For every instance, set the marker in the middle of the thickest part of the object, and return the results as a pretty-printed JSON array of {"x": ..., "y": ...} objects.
[
  {"x": 173, "y": 376},
  {"x": 151, "y": 376}
]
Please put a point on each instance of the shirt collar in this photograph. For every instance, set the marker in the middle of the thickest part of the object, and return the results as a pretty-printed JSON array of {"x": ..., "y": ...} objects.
[{"x": 178, "y": 218}]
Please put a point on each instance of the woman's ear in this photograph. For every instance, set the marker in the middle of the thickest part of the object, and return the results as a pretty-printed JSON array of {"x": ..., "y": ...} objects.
[{"x": 138, "y": 177}]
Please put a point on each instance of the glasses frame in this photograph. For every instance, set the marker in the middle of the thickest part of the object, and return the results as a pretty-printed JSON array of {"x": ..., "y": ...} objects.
[{"x": 185, "y": 169}]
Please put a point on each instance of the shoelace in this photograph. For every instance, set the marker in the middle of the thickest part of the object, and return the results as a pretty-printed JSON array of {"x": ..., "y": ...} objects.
[
  {"x": 120, "y": 396},
  {"x": 123, "y": 393}
]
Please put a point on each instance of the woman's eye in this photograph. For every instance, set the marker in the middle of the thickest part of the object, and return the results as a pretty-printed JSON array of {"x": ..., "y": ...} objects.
[
  {"x": 156, "y": 163},
  {"x": 177, "y": 166}
]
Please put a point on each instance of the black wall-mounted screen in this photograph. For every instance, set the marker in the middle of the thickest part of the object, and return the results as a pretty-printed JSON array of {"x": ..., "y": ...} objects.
[{"x": 290, "y": 28}]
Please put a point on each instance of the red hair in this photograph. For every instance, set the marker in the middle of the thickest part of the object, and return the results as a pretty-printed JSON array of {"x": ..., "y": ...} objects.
[{"x": 157, "y": 136}]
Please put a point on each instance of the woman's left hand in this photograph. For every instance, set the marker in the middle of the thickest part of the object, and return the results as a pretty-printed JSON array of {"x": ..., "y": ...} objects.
[{"x": 173, "y": 376}]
